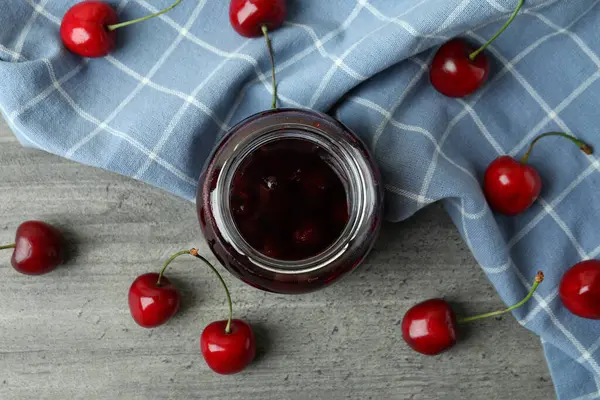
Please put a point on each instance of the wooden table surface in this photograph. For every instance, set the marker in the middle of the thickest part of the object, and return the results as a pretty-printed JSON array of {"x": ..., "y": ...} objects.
[{"x": 69, "y": 335}]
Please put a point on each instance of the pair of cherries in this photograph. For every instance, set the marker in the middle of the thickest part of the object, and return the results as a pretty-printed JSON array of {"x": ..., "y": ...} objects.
[
  {"x": 228, "y": 346},
  {"x": 431, "y": 327}
]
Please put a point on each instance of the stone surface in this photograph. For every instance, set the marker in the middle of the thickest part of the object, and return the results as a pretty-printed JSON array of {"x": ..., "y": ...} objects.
[{"x": 68, "y": 335}]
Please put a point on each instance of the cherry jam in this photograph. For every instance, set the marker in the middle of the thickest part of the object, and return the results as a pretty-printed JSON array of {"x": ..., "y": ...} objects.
[
  {"x": 290, "y": 201},
  {"x": 287, "y": 201}
]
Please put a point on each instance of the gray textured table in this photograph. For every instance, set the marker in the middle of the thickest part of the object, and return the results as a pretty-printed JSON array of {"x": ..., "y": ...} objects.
[{"x": 68, "y": 334}]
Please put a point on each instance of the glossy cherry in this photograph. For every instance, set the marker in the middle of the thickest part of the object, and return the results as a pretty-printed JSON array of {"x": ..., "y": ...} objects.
[
  {"x": 457, "y": 69},
  {"x": 228, "y": 352},
  {"x": 252, "y": 18},
  {"x": 248, "y": 17},
  {"x": 153, "y": 302},
  {"x": 512, "y": 186},
  {"x": 84, "y": 29},
  {"x": 89, "y": 28},
  {"x": 227, "y": 346},
  {"x": 580, "y": 289},
  {"x": 453, "y": 73},
  {"x": 430, "y": 327},
  {"x": 38, "y": 248}
]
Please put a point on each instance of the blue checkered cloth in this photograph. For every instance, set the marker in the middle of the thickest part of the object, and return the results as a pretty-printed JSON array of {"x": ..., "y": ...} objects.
[{"x": 154, "y": 109}]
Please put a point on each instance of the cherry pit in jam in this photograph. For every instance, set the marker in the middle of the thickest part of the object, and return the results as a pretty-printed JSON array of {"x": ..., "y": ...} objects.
[{"x": 290, "y": 201}]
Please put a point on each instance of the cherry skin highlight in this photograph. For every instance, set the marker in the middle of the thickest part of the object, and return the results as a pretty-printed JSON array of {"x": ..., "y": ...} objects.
[
  {"x": 84, "y": 29},
  {"x": 228, "y": 352},
  {"x": 38, "y": 248},
  {"x": 580, "y": 289},
  {"x": 248, "y": 17},
  {"x": 152, "y": 304}
]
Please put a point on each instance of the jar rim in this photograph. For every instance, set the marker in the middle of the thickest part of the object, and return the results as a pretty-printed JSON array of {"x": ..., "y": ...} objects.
[{"x": 360, "y": 185}]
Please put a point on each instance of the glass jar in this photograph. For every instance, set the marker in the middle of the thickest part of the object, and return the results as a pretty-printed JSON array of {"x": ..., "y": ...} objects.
[{"x": 343, "y": 152}]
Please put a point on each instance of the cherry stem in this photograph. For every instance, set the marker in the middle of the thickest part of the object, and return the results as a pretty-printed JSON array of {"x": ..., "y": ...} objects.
[
  {"x": 194, "y": 252},
  {"x": 538, "y": 279},
  {"x": 474, "y": 54},
  {"x": 586, "y": 148},
  {"x": 8, "y": 246},
  {"x": 174, "y": 256},
  {"x": 135, "y": 21},
  {"x": 270, "y": 48}
]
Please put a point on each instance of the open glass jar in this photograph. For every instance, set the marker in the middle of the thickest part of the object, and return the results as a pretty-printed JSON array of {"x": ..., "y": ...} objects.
[{"x": 290, "y": 201}]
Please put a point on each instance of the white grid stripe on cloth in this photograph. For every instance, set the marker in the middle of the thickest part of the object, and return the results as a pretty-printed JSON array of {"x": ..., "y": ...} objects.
[
  {"x": 339, "y": 61},
  {"x": 175, "y": 120},
  {"x": 140, "y": 85},
  {"x": 11, "y": 53},
  {"x": 592, "y": 79},
  {"x": 26, "y": 29},
  {"x": 41, "y": 10},
  {"x": 103, "y": 126},
  {"x": 449, "y": 19},
  {"x": 183, "y": 96},
  {"x": 411, "y": 128},
  {"x": 194, "y": 39},
  {"x": 402, "y": 23},
  {"x": 114, "y": 132}
]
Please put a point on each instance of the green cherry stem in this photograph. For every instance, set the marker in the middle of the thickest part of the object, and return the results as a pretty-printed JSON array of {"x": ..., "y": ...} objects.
[
  {"x": 586, "y": 148},
  {"x": 194, "y": 252},
  {"x": 8, "y": 246},
  {"x": 135, "y": 21},
  {"x": 538, "y": 279},
  {"x": 474, "y": 54},
  {"x": 270, "y": 48},
  {"x": 174, "y": 256}
]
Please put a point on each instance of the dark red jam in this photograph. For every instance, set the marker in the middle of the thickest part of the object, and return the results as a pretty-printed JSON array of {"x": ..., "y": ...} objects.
[
  {"x": 290, "y": 201},
  {"x": 287, "y": 200}
]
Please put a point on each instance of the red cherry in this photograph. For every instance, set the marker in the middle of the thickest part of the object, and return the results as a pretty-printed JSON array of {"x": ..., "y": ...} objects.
[
  {"x": 453, "y": 73},
  {"x": 152, "y": 304},
  {"x": 580, "y": 289},
  {"x": 248, "y": 16},
  {"x": 510, "y": 186},
  {"x": 38, "y": 248},
  {"x": 84, "y": 29},
  {"x": 458, "y": 70},
  {"x": 430, "y": 327},
  {"x": 89, "y": 28},
  {"x": 228, "y": 352}
]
